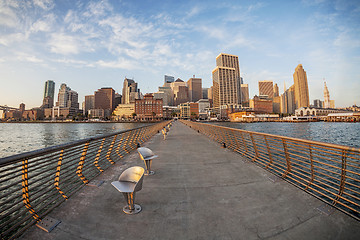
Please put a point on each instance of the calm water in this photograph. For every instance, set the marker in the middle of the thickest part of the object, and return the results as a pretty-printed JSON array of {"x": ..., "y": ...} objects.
[
  {"x": 23, "y": 137},
  {"x": 347, "y": 134}
]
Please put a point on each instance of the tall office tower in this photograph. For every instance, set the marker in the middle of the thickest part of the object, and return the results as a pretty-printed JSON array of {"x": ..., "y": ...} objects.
[
  {"x": 168, "y": 79},
  {"x": 180, "y": 91},
  {"x": 276, "y": 90},
  {"x": 266, "y": 88},
  {"x": 130, "y": 91},
  {"x": 89, "y": 103},
  {"x": 49, "y": 91},
  {"x": 67, "y": 98},
  {"x": 105, "y": 99},
  {"x": 168, "y": 94},
  {"x": 287, "y": 101},
  {"x": 226, "y": 81},
  {"x": 326, "y": 97},
  {"x": 195, "y": 89},
  {"x": 205, "y": 93},
  {"x": 301, "y": 88},
  {"x": 245, "y": 95}
]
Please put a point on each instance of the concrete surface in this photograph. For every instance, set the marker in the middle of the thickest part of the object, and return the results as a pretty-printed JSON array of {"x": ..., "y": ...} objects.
[{"x": 199, "y": 191}]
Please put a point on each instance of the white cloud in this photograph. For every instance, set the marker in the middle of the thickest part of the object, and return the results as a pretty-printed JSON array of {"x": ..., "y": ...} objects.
[
  {"x": 7, "y": 15},
  {"x": 45, "y": 4},
  {"x": 45, "y": 24},
  {"x": 98, "y": 8},
  {"x": 121, "y": 63},
  {"x": 64, "y": 44},
  {"x": 9, "y": 39}
]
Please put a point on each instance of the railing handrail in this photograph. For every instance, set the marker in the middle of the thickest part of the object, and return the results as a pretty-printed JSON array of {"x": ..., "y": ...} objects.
[
  {"x": 332, "y": 145},
  {"x": 18, "y": 157}
]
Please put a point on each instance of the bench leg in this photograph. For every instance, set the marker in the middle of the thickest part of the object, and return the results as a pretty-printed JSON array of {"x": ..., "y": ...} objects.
[
  {"x": 131, "y": 208},
  {"x": 148, "y": 168}
]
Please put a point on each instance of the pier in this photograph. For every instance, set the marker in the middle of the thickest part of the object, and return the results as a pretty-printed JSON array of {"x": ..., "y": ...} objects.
[{"x": 201, "y": 190}]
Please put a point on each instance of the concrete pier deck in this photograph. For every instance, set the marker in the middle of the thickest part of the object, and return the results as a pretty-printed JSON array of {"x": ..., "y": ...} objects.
[{"x": 199, "y": 191}]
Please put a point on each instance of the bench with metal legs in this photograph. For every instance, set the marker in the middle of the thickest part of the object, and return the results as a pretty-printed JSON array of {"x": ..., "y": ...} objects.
[
  {"x": 147, "y": 156},
  {"x": 130, "y": 182}
]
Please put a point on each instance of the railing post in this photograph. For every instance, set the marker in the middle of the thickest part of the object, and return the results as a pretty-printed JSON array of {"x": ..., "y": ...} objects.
[
  {"x": 96, "y": 161},
  {"x": 311, "y": 167},
  {"x": 343, "y": 177},
  {"x": 57, "y": 175},
  {"x": 255, "y": 149},
  {"x": 269, "y": 152},
  {"x": 244, "y": 143},
  {"x": 81, "y": 164},
  {"x": 25, "y": 190},
  {"x": 110, "y": 150},
  {"x": 288, "y": 169}
]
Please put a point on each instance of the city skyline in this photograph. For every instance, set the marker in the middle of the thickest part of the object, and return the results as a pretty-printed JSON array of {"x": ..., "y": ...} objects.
[{"x": 95, "y": 44}]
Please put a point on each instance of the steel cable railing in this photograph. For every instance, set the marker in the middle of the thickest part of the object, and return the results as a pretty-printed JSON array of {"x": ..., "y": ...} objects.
[
  {"x": 34, "y": 183},
  {"x": 329, "y": 172}
]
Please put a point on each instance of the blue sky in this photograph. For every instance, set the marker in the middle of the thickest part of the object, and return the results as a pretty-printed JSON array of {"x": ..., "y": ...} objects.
[{"x": 94, "y": 44}]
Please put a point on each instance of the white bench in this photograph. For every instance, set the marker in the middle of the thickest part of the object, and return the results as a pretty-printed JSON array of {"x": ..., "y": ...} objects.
[
  {"x": 147, "y": 156},
  {"x": 130, "y": 182}
]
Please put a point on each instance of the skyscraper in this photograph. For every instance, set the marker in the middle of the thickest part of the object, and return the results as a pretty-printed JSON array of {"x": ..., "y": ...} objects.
[
  {"x": 326, "y": 97},
  {"x": 89, "y": 103},
  {"x": 105, "y": 99},
  {"x": 276, "y": 90},
  {"x": 226, "y": 81},
  {"x": 67, "y": 98},
  {"x": 130, "y": 91},
  {"x": 301, "y": 88},
  {"x": 195, "y": 89},
  {"x": 49, "y": 93},
  {"x": 266, "y": 88},
  {"x": 287, "y": 101},
  {"x": 245, "y": 95}
]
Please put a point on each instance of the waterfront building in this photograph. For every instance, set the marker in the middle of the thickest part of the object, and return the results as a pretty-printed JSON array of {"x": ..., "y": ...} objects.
[
  {"x": 276, "y": 90},
  {"x": 301, "y": 88},
  {"x": 266, "y": 88},
  {"x": 98, "y": 113},
  {"x": 170, "y": 111},
  {"x": 313, "y": 111},
  {"x": 124, "y": 111},
  {"x": 189, "y": 110},
  {"x": 245, "y": 95},
  {"x": 195, "y": 89},
  {"x": 49, "y": 93},
  {"x": 261, "y": 105},
  {"x": 105, "y": 99},
  {"x": 226, "y": 81},
  {"x": 89, "y": 103},
  {"x": 204, "y": 105},
  {"x": 149, "y": 108},
  {"x": 130, "y": 91}
]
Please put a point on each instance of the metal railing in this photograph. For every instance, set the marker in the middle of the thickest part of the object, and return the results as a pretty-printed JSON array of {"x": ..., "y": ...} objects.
[
  {"x": 34, "y": 183},
  {"x": 329, "y": 172}
]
